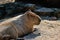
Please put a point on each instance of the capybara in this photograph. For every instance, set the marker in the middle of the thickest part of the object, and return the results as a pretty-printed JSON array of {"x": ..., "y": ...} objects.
[{"x": 19, "y": 25}]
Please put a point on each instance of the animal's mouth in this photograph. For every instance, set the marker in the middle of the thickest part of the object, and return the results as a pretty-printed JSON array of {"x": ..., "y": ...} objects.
[{"x": 38, "y": 23}]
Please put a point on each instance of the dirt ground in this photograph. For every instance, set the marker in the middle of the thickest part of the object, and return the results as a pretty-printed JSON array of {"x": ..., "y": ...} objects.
[{"x": 47, "y": 30}]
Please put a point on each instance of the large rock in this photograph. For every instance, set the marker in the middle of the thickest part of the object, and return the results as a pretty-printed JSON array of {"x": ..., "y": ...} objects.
[
  {"x": 30, "y": 6},
  {"x": 2, "y": 11},
  {"x": 52, "y": 3},
  {"x": 44, "y": 11},
  {"x": 46, "y": 3},
  {"x": 48, "y": 12},
  {"x": 18, "y": 7},
  {"x": 11, "y": 9},
  {"x": 6, "y": 1}
]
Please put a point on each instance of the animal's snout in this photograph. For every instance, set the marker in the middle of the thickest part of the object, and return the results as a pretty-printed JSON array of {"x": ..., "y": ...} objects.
[{"x": 39, "y": 19}]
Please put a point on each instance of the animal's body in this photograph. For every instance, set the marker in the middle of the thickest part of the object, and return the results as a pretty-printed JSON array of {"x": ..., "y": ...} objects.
[{"x": 19, "y": 25}]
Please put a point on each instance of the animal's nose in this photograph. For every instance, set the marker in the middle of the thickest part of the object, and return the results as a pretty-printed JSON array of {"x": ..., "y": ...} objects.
[
  {"x": 38, "y": 22},
  {"x": 39, "y": 19}
]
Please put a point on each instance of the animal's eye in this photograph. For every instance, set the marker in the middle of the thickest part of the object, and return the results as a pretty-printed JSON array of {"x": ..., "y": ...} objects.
[{"x": 34, "y": 17}]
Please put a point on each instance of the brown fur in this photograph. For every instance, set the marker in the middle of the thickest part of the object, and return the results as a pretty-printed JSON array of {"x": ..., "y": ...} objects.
[{"x": 19, "y": 25}]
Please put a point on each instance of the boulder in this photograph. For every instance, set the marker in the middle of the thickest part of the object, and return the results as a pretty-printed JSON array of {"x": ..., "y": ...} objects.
[
  {"x": 45, "y": 3},
  {"x": 30, "y": 6},
  {"x": 2, "y": 11},
  {"x": 44, "y": 11},
  {"x": 6, "y": 1}
]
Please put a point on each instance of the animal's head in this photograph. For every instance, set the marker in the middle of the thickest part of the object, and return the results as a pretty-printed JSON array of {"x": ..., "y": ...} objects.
[{"x": 35, "y": 19}]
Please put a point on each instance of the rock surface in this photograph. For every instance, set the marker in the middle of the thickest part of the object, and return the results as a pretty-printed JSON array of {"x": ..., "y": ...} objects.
[
  {"x": 6, "y": 1},
  {"x": 46, "y": 3},
  {"x": 16, "y": 8}
]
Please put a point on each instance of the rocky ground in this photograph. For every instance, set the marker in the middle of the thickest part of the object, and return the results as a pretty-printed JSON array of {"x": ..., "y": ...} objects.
[{"x": 47, "y": 30}]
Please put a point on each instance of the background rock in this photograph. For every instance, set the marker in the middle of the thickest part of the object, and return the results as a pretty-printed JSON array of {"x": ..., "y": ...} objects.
[
  {"x": 16, "y": 8},
  {"x": 45, "y": 3},
  {"x": 6, "y": 1}
]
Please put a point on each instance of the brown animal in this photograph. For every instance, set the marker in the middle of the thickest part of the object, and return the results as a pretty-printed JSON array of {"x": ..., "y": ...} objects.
[{"x": 19, "y": 25}]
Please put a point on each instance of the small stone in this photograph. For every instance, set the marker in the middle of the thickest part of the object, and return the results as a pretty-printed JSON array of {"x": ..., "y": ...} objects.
[{"x": 20, "y": 38}]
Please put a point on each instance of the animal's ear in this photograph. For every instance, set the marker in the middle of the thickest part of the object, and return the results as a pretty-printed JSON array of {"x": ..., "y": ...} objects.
[
  {"x": 28, "y": 10},
  {"x": 29, "y": 13}
]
